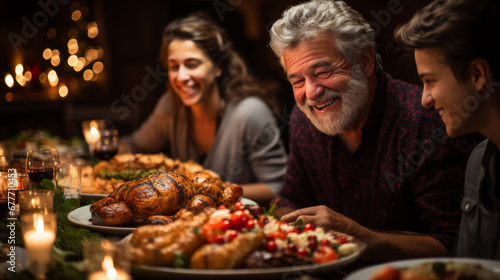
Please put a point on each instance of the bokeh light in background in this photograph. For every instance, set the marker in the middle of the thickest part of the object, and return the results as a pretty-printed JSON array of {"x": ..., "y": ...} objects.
[
  {"x": 63, "y": 90},
  {"x": 53, "y": 78},
  {"x": 76, "y": 15},
  {"x": 92, "y": 29},
  {"x": 70, "y": 57},
  {"x": 19, "y": 70},
  {"x": 47, "y": 54},
  {"x": 9, "y": 81},
  {"x": 9, "y": 96},
  {"x": 51, "y": 33},
  {"x": 88, "y": 75},
  {"x": 98, "y": 67}
]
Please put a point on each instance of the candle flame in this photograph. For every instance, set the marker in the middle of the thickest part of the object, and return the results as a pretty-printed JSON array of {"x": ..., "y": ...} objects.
[
  {"x": 107, "y": 263},
  {"x": 39, "y": 224},
  {"x": 111, "y": 274},
  {"x": 94, "y": 132},
  {"x": 33, "y": 202}
]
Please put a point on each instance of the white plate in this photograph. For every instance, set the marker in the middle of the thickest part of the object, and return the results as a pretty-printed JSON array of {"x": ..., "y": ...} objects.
[
  {"x": 82, "y": 217},
  {"x": 293, "y": 272},
  {"x": 367, "y": 272},
  {"x": 93, "y": 196},
  {"x": 19, "y": 257}
]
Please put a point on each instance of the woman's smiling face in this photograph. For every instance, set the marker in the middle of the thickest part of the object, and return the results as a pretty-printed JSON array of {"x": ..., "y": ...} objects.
[{"x": 191, "y": 73}]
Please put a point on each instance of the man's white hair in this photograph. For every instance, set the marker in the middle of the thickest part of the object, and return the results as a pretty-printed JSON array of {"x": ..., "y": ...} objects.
[{"x": 299, "y": 23}]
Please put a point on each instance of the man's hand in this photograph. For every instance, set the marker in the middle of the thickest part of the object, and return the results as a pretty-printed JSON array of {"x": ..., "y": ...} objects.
[
  {"x": 324, "y": 217},
  {"x": 394, "y": 245}
]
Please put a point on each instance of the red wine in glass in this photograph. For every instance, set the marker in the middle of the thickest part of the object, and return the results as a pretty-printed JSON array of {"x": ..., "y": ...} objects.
[
  {"x": 105, "y": 154},
  {"x": 37, "y": 174},
  {"x": 4, "y": 203}
]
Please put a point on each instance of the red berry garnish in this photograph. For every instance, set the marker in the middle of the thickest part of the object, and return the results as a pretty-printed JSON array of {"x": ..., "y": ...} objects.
[
  {"x": 221, "y": 207},
  {"x": 226, "y": 224},
  {"x": 271, "y": 246},
  {"x": 325, "y": 242},
  {"x": 219, "y": 238},
  {"x": 250, "y": 224},
  {"x": 302, "y": 252},
  {"x": 239, "y": 205}
]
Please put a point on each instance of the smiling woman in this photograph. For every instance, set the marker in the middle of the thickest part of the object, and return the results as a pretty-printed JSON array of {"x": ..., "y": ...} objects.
[{"x": 211, "y": 112}]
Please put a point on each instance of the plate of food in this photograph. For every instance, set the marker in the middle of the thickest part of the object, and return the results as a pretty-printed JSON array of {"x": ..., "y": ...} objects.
[
  {"x": 240, "y": 242},
  {"x": 29, "y": 139},
  {"x": 122, "y": 168},
  {"x": 92, "y": 196},
  {"x": 431, "y": 269},
  {"x": 157, "y": 198},
  {"x": 290, "y": 272},
  {"x": 107, "y": 175},
  {"x": 82, "y": 217}
]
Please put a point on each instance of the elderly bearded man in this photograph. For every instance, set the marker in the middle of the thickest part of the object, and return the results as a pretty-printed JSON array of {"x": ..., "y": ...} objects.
[{"x": 365, "y": 157}]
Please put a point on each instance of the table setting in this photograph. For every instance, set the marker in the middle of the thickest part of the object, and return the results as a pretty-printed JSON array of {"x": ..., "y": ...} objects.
[
  {"x": 57, "y": 229},
  {"x": 57, "y": 237},
  {"x": 46, "y": 227}
]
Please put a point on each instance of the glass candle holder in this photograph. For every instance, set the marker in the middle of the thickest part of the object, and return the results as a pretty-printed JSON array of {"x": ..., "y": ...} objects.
[
  {"x": 4, "y": 194},
  {"x": 11, "y": 183},
  {"x": 90, "y": 129},
  {"x": 106, "y": 260},
  {"x": 36, "y": 201},
  {"x": 69, "y": 178},
  {"x": 39, "y": 234}
]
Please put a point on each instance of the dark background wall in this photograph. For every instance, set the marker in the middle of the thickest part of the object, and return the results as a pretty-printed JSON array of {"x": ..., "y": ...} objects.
[{"x": 130, "y": 34}]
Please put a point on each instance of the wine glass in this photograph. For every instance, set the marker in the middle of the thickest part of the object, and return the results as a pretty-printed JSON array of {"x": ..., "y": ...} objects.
[
  {"x": 41, "y": 164},
  {"x": 107, "y": 146}
]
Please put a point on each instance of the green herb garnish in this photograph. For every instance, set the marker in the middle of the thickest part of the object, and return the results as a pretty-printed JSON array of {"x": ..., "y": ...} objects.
[
  {"x": 438, "y": 267},
  {"x": 299, "y": 224},
  {"x": 181, "y": 260},
  {"x": 195, "y": 229}
]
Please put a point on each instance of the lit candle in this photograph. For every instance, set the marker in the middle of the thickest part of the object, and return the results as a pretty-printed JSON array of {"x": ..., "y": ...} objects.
[
  {"x": 109, "y": 272},
  {"x": 35, "y": 202},
  {"x": 94, "y": 133},
  {"x": 91, "y": 132},
  {"x": 38, "y": 243}
]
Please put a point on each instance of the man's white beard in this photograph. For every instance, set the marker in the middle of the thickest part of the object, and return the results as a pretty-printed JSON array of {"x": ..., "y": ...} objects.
[{"x": 352, "y": 101}]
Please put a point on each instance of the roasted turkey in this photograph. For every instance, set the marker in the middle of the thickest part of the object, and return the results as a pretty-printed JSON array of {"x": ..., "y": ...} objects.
[{"x": 157, "y": 198}]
